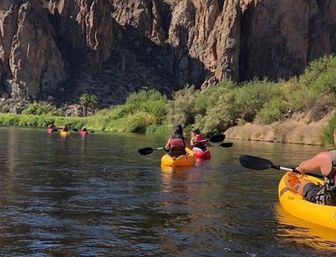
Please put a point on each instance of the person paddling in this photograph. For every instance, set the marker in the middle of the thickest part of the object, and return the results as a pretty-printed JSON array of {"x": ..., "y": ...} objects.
[
  {"x": 51, "y": 127},
  {"x": 65, "y": 128},
  {"x": 325, "y": 162},
  {"x": 197, "y": 139},
  {"x": 176, "y": 144}
]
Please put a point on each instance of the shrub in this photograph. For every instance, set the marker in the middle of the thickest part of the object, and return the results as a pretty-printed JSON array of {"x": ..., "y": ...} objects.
[
  {"x": 40, "y": 108},
  {"x": 329, "y": 130},
  {"x": 273, "y": 110},
  {"x": 182, "y": 109},
  {"x": 251, "y": 97},
  {"x": 320, "y": 75},
  {"x": 209, "y": 97}
]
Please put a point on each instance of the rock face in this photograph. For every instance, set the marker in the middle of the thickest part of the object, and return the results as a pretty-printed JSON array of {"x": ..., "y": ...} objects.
[{"x": 110, "y": 47}]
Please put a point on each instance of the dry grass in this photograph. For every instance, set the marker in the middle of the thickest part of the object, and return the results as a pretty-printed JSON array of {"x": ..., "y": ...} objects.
[{"x": 297, "y": 130}]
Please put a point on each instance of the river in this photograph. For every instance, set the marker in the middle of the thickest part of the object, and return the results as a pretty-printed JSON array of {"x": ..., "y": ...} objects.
[{"x": 96, "y": 196}]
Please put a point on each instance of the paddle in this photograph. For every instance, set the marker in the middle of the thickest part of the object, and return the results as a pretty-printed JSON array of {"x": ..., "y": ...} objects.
[
  {"x": 226, "y": 145},
  {"x": 257, "y": 163},
  {"x": 148, "y": 150},
  {"x": 213, "y": 139}
]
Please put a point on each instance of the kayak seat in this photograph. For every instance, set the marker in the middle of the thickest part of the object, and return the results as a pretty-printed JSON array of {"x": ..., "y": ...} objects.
[{"x": 176, "y": 151}]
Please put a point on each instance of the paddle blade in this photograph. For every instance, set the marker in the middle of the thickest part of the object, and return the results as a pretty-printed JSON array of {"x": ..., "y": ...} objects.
[
  {"x": 145, "y": 151},
  {"x": 255, "y": 163},
  {"x": 74, "y": 129},
  {"x": 227, "y": 145},
  {"x": 217, "y": 138}
]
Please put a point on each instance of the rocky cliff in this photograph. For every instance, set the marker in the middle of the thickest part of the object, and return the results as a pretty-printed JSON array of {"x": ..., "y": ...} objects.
[{"x": 62, "y": 48}]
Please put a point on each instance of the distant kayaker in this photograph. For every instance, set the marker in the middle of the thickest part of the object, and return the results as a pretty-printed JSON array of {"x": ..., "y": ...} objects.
[
  {"x": 198, "y": 139},
  {"x": 65, "y": 128},
  {"x": 176, "y": 144},
  {"x": 84, "y": 130},
  {"x": 325, "y": 162},
  {"x": 51, "y": 128},
  {"x": 51, "y": 125}
]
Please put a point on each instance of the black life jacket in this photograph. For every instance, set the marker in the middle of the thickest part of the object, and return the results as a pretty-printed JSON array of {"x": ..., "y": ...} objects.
[{"x": 330, "y": 182}]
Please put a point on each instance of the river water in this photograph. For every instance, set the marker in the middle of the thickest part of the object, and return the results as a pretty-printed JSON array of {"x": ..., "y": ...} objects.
[{"x": 96, "y": 196}]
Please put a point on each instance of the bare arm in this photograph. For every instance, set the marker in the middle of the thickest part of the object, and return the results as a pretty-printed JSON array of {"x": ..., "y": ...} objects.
[
  {"x": 320, "y": 162},
  {"x": 167, "y": 146}
]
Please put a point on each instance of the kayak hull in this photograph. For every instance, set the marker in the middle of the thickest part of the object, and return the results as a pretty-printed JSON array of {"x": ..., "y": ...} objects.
[
  {"x": 83, "y": 133},
  {"x": 50, "y": 130},
  {"x": 294, "y": 204},
  {"x": 64, "y": 133},
  {"x": 200, "y": 154},
  {"x": 187, "y": 160}
]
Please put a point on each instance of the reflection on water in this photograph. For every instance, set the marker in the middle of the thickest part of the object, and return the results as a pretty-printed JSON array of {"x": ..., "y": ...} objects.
[
  {"x": 305, "y": 234},
  {"x": 96, "y": 196}
]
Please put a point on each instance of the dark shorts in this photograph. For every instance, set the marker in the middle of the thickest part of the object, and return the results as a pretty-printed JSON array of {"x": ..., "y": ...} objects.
[{"x": 311, "y": 191}]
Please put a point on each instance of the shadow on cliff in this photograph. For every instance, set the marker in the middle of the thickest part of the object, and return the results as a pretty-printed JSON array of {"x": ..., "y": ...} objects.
[{"x": 136, "y": 62}]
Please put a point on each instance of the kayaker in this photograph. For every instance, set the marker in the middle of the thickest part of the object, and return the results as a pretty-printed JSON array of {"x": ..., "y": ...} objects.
[
  {"x": 65, "y": 128},
  {"x": 325, "y": 162},
  {"x": 51, "y": 128},
  {"x": 84, "y": 130},
  {"x": 176, "y": 144},
  {"x": 197, "y": 139}
]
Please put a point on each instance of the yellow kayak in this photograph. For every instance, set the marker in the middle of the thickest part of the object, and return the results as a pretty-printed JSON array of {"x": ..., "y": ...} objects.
[
  {"x": 186, "y": 160},
  {"x": 64, "y": 133},
  {"x": 294, "y": 204},
  {"x": 304, "y": 233}
]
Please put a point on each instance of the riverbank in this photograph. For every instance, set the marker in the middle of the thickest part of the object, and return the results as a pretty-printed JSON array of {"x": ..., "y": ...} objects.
[{"x": 297, "y": 130}]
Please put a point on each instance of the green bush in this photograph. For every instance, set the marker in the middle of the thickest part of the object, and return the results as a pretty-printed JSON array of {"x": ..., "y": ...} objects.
[
  {"x": 320, "y": 75},
  {"x": 40, "y": 108},
  {"x": 209, "y": 97},
  {"x": 222, "y": 115},
  {"x": 329, "y": 130},
  {"x": 273, "y": 110},
  {"x": 182, "y": 109},
  {"x": 251, "y": 97}
]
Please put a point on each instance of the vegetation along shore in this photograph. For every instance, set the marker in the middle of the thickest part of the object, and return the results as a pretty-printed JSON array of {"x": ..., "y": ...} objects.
[{"x": 298, "y": 110}]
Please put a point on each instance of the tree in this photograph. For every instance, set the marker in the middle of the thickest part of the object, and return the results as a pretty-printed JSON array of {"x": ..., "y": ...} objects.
[{"x": 88, "y": 101}]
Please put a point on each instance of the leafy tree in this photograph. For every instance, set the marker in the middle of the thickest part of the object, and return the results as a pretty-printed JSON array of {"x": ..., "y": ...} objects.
[{"x": 88, "y": 101}]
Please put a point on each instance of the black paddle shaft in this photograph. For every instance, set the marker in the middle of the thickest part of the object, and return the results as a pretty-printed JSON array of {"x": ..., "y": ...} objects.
[{"x": 257, "y": 163}]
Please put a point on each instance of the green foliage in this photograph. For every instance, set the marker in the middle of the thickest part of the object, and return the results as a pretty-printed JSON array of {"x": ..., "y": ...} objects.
[
  {"x": 40, "y": 108},
  {"x": 221, "y": 115},
  {"x": 329, "y": 130},
  {"x": 140, "y": 111},
  {"x": 320, "y": 75},
  {"x": 88, "y": 101},
  {"x": 157, "y": 129},
  {"x": 273, "y": 110},
  {"x": 251, "y": 97},
  {"x": 182, "y": 109},
  {"x": 208, "y": 98},
  {"x": 9, "y": 119},
  {"x": 41, "y": 121}
]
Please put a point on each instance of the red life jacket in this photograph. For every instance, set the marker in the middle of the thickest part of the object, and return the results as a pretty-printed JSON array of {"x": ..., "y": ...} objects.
[
  {"x": 199, "y": 138},
  {"x": 175, "y": 141}
]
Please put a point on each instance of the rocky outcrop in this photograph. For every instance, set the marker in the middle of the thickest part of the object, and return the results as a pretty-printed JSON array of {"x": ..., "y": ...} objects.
[
  {"x": 28, "y": 50},
  {"x": 66, "y": 47}
]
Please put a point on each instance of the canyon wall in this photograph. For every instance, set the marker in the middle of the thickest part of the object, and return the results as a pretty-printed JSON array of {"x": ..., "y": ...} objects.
[{"x": 58, "y": 49}]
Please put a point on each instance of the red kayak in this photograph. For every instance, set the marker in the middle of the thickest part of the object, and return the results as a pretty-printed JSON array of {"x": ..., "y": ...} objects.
[
  {"x": 50, "y": 130},
  {"x": 83, "y": 133},
  {"x": 200, "y": 154}
]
